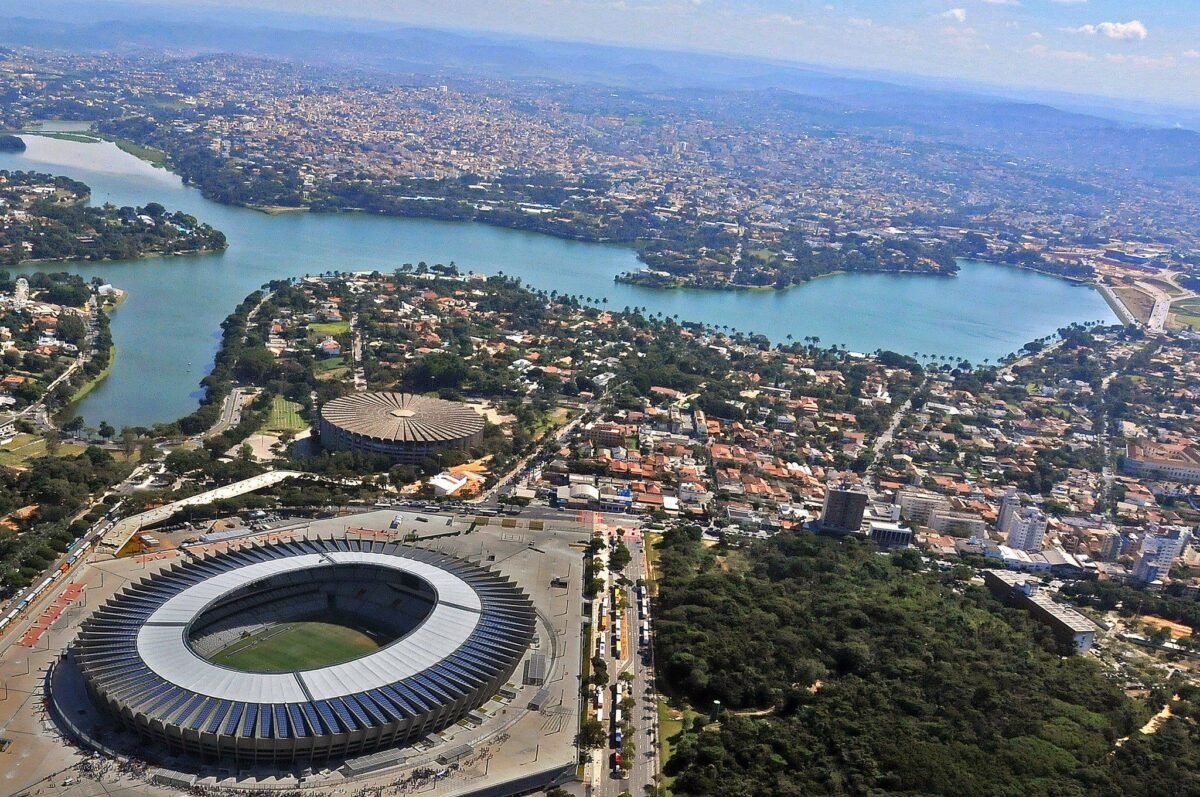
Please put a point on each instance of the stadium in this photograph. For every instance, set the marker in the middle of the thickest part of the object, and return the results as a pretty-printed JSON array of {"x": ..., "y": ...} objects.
[
  {"x": 304, "y": 651},
  {"x": 404, "y": 426}
]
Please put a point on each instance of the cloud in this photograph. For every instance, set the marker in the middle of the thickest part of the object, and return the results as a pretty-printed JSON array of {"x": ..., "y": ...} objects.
[
  {"x": 1140, "y": 60},
  {"x": 1191, "y": 53},
  {"x": 1037, "y": 34},
  {"x": 1002, "y": 2},
  {"x": 1125, "y": 31},
  {"x": 956, "y": 14},
  {"x": 783, "y": 19},
  {"x": 1069, "y": 2},
  {"x": 1042, "y": 51}
]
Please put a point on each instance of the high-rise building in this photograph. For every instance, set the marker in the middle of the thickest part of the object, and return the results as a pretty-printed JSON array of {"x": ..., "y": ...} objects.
[
  {"x": 1009, "y": 505},
  {"x": 843, "y": 509},
  {"x": 1160, "y": 549},
  {"x": 919, "y": 505},
  {"x": 1026, "y": 529},
  {"x": 20, "y": 294}
]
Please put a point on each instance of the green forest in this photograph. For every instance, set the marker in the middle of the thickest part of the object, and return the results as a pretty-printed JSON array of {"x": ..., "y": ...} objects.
[{"x": 843, "y": 671}]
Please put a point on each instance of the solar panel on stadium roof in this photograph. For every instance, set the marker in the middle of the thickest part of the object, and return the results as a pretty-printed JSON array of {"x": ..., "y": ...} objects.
[
  {"x": 387, "y": 705},
  {"x": 251, "y": 719},
  {"x": 313, "y": 720},
  {"x": 218, "y": 715},
  {"x": 197, "y": 718},
  {"x": 297, "y": 720},
  {"x": 235, "y": 718},
  {"x": 360, "y": 715},
  {"x": 329, "y": 717},
  {"x": 377, "y": 714},
  {"x": 343, "y": 714}
]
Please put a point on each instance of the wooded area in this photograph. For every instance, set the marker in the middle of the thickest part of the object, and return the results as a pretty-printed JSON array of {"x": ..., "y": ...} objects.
[{"x": 875, "y": 677}]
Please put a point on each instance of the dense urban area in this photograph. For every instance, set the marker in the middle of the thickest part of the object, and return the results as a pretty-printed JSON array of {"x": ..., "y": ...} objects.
[{"x": 716, "y": 190}]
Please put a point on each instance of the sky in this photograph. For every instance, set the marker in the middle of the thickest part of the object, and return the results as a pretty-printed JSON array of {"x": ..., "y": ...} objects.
[{"x": 1143, "y": 49}]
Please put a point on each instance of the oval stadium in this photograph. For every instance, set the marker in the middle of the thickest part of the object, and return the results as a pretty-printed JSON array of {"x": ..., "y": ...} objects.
[
  {"x": 304, "y": 651},
  {"x": 404, "y": 426}
]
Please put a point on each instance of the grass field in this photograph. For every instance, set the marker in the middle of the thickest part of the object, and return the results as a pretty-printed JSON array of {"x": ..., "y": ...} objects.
[
  {"x": 670, "y": 724},
  {"x": 26, "y": 446},
  {"x": 332, "y": 364},
  {"x": 1186, "y": 312},
  {"x": 332, "y": 328},
  {"x": 1136, "y": 300},
  {"x": 296, "y": 646},
  {"x": 285, "y": 416}
]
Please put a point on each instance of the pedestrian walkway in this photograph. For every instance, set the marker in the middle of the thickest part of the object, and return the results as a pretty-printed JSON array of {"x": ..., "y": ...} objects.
[{"x": 51, "y": 614}]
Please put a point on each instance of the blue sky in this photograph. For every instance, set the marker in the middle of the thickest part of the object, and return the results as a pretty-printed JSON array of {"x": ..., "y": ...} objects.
[{"x": 1140, "y": 49}]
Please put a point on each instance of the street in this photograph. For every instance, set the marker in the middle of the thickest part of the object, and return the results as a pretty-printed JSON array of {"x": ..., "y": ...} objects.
[{"x": 629, "y": 655}]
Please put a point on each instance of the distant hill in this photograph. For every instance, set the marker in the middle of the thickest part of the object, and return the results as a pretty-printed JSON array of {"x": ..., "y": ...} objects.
[{"x": 1020, "y": 130}]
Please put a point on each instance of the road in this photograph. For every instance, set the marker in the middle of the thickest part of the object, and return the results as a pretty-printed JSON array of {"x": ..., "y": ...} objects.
[
  {"x": 510, "y": 479},
  {"x": 641, "y": 769},
  {"x": 885, "y": 437},
  {"x": 231, "y": 412},
  {"x": 1162, "y": 306},
  {"x": 75, "y": 558},
  {"x": 37, "y": 410}
]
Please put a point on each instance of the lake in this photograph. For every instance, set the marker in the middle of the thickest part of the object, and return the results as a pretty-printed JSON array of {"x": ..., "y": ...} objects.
[{"x": 167, "y": 332}]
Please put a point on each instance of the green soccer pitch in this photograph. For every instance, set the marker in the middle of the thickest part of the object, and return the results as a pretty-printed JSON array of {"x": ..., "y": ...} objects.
[{"x": 296, "y": 646}]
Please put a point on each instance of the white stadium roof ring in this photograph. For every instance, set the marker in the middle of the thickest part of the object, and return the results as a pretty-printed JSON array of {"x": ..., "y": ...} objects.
[{"x": 463, "y": 630}]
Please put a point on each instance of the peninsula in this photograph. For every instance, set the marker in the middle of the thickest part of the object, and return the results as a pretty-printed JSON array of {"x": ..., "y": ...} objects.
[{"x": 46, "y": 218}]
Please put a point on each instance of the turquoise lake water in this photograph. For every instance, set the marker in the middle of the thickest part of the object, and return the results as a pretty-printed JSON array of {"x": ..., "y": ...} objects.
[{"x": 168, "y": 330}]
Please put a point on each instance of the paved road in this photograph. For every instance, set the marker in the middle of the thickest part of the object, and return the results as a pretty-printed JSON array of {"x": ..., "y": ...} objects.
[
  {"x": 642, "y": 768},
  {"x": 1162, "y": 306},
  {"x": 231, "y": 412},
  {"x": 510, "y": 479},
  {"x": 881, "y": 442}
]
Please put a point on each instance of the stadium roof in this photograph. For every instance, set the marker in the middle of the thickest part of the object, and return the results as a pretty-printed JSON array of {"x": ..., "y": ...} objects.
[
  {"x": 403, "y": 417},
  {"x": 134, "y": 650},
  {"x": 162, "y": 640}
]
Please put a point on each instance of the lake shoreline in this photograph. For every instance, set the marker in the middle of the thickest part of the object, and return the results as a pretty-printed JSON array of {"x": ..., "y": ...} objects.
[
  {"x": 278, "y": 210},
  {"x": 169, "y": 336}
]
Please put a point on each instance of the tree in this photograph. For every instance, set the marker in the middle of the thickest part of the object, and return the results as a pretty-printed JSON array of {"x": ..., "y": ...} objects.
[
  {"x": 620, "y": 557},
  {"x": 599, "y": 672},
  {"x": 592, "y": 735},
  {"x": 128, "y": 441},
  {"x": 71, "y": 328},
  {"x": 106, "y": 430}
]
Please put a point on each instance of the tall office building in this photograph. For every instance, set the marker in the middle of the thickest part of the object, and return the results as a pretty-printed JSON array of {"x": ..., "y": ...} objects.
[{"x": 843, "y": 509}]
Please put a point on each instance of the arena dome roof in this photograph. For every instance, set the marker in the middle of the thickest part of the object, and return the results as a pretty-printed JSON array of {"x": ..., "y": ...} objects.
[{"x": 403, "y": 417}]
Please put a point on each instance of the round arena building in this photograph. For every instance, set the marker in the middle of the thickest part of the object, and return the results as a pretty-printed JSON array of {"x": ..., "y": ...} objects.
[
  {"x": 404, "y": 426},
  {"x": 304, "y": 651}
]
